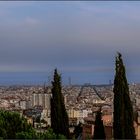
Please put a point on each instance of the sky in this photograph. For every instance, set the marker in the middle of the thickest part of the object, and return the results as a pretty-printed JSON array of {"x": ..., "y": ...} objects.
[{"x": 78, "y": 38}]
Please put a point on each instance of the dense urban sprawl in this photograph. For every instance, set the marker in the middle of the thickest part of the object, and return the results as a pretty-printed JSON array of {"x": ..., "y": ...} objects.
[{"x": 81, "y": 101}]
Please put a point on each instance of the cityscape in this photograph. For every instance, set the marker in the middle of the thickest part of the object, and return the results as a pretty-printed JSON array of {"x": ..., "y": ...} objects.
[
  {"x": 69, "y": 70},
  {"x": 80, "y": 101}
]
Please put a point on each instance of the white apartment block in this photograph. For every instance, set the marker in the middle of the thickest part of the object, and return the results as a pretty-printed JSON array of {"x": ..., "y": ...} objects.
[{"x": 42, "y": 99}]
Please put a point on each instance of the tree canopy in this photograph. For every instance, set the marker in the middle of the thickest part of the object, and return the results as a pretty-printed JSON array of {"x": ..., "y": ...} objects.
[
  {"x": 11, "y": 123},
  {"x": 99, "y": 132},
  {"x": 13, "y": 126},
  {"x": 123, "y": 111},
  {"x": 59, "y": 117}
]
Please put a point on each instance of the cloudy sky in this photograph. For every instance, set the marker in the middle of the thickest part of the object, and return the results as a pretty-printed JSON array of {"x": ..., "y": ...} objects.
[{"x": 79, "y": 38}]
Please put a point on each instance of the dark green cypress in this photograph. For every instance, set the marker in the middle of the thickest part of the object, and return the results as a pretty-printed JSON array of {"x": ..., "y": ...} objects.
[
  {"x": 123, "y": 111},
  {"x": 59, "y": 117},
  {"x": 78, "y": 130},
  {"x": 99, "y": 132}
]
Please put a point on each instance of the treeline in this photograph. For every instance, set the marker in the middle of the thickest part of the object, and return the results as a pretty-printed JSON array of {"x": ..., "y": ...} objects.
[{"x": 13, "y": 126}]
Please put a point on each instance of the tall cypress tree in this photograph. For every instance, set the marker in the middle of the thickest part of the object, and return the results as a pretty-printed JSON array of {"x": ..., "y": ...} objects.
[
  {"x": 123, "y": 111},
  {"x": 59, "y": 117},
  {"x": 99, "y": 132}
]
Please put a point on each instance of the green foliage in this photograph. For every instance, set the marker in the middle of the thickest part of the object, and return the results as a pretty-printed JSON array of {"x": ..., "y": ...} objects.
[
  {"x": 3, "y": 133},
  {"x": 123, "y": 112},
  {"x": 59, "y": 117},
  {"x": 28, "y": 134},
  {"x": 12, "y": 126},
  {"x": 11, "y": 123},
  {"x": 99, "y": 132},
  {"x": 24, "y": 135},
  {"x": 49, "y": 134},
  {"x": 62, "y": 137}
]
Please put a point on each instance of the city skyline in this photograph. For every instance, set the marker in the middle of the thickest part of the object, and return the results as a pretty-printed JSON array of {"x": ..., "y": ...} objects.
[{"x": 80, "y": 39}]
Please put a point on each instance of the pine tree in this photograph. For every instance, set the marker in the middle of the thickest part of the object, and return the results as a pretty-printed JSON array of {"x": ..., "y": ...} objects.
[
  {"x": 11, "y": 124},
  {"x": 59, "y": 117},
  {"x": 123, "y": 112},
  {"x": 99, "y": 132}
]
